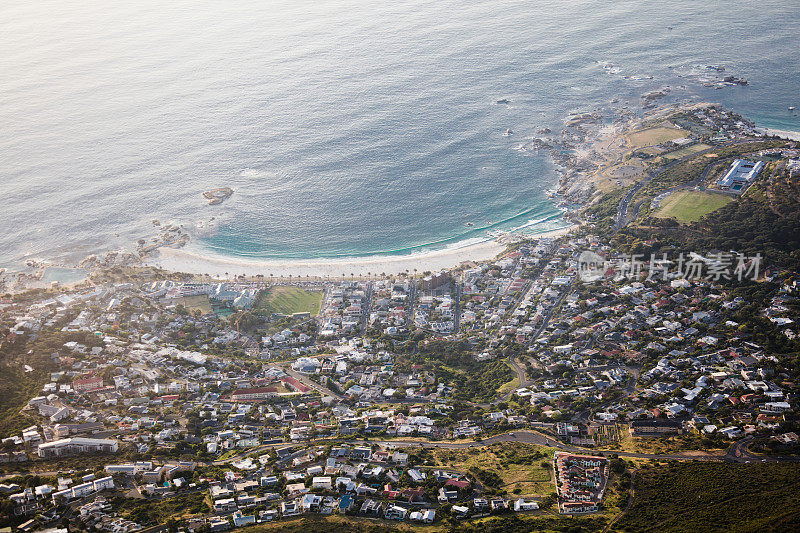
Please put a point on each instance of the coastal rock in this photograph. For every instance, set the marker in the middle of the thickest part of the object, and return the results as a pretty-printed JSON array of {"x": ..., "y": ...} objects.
[
  {"x": 110, "y": 259},
  {"x": 218, "y": 195},
  {"x": 578, "y": 119},
  {"x": 649, "y": 99},
  {"x": 538, "y": 144},
  {"x": 735, "y": 80}
]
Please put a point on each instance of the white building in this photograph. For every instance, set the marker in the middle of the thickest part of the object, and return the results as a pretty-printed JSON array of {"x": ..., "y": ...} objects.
[{"x": 76, "y": 445}]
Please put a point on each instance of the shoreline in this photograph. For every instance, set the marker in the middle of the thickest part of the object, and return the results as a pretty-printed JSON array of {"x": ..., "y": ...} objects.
[
  {"x": 186, "y": 261},
  {"x": 783, "y": 134}
]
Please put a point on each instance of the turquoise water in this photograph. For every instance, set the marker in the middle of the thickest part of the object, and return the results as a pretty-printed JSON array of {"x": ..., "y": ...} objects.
[
  {"x": 345, "y": 128},
  {"x": 63, "y": 275}
]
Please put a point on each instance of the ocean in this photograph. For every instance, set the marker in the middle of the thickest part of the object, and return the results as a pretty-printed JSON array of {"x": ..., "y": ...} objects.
[{"x": 346, "y": 128}]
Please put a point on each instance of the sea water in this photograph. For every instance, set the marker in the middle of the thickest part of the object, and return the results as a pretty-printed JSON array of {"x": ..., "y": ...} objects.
[{"x": 346, "y": 128}]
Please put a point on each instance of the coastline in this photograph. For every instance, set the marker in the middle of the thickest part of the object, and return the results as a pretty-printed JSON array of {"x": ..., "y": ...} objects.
[
  {"x": 783, "y": 134},
  {"x": 182, "y": 260}
]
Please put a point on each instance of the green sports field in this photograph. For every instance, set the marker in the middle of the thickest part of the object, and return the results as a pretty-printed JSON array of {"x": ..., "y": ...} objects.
[
  {"x": 288, "y": 300},
  {"x": 690, "y": 206}
]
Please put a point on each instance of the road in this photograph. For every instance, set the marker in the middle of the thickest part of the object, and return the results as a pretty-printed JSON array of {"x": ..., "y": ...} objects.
[
  {"x": 736, "y": 453},
  {"x": 624, "y": 217},
  {"x": 512, "y": 360},
  {"x": 311, "y": 383}
]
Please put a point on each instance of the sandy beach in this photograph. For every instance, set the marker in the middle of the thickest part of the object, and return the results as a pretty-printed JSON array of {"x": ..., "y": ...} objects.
[
  {"x": 783, "y": 134},
  {"x": 184, "y": 260}
]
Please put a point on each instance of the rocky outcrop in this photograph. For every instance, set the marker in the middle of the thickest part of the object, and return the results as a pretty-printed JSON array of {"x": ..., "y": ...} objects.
[
  {"x": 110, "y": 259},
  {"x": 218, "y": 195}
]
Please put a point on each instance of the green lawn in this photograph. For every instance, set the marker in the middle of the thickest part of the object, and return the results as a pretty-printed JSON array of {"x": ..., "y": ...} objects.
[
  {"x": 690, "y": 206},
  {"x": 288, "y": 300}
]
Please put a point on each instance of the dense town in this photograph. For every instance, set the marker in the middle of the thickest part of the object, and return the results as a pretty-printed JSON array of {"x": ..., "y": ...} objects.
[{"x": 222, "y": 403}]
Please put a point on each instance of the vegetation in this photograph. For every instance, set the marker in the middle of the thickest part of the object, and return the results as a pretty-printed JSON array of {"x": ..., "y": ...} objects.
[
  {"x": 454, "y": 364},
  {"x": 531, "y": 523},
  {"x": 333, "y": 524},
  {"x": 200, "y": 302},
  {"x": 504, "y": 467},
  {"x": 753, "y": 224},
  {"x": 18, "y": 387},
  {"x": 683, "y": 152},
  {"x": 699, "y": 496},
  {"x": 288, "y": 300},
  {"x": 690, "y": 206},
  {"x": 147, "y": 512}
]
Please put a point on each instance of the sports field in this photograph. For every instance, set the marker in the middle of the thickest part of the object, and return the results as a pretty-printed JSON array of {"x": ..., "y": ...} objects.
[
  {"x": 656, "y": 135},
  {"x": 690, "y": 206},
  {"x": 288, "y": 300},
  {"x": 688, "y": 150}
]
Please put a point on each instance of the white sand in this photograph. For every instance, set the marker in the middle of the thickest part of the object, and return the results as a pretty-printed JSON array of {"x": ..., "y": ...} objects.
[
  {"x": 183, "y": 260},
  {"x": 783, "y": 134}
]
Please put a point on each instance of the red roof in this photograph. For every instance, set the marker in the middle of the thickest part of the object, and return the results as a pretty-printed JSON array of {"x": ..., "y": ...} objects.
[
  {"x": 457, "y": 484},
  {"x": 257, "y": 390},
  {"x": 288, "y": 380}
]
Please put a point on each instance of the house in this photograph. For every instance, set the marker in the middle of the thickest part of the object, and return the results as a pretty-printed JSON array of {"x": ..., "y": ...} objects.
[
  {"x": 295, "y": 489},
  {"x": 416, "y": 476},
  {"x": 653, "y": 427},
  {"x": 578, "y": 507},
  {"x": 361, "y": 453},
  {"x": 290, "y": 508},
  {"x": 371, "y": 508},
  {"x": 240, "y": 520},
  {"x": 218, "y": 524},
  {"x": 447, "y": 495},
  {"x": 310, "y": 502},
  {"x": 225, "y": 505},
  {"x": 460, "y": 510},
  {"x": 346, "y": 503},
  {"x": 259, "y": 393},
  {"x": 268, "y": 515},
  {"x": 522, "y": 505},
  {"x": 456, "y": 484},
  {"x": 395, "y": 512},
  {"x": 87, "y": 384},
  {"x": 776, "y": 407}
]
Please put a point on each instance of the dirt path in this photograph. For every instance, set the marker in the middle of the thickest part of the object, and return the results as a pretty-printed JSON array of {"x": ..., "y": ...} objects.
[{"x": 627, "y": 506}]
